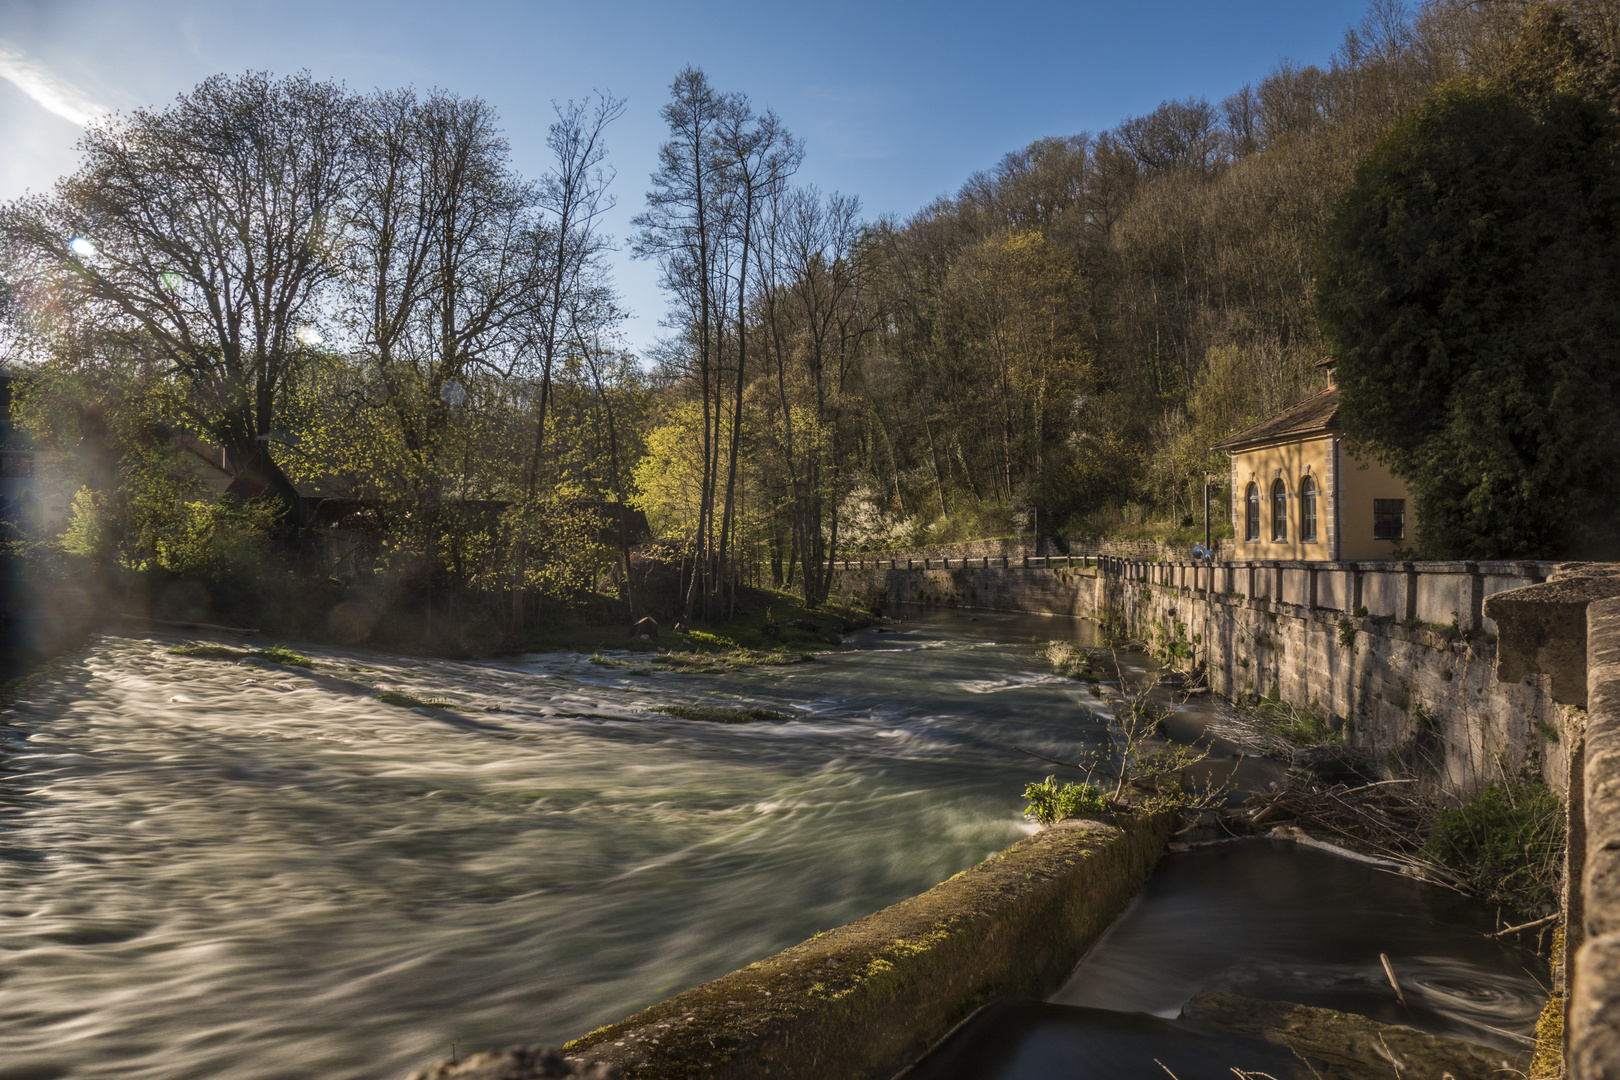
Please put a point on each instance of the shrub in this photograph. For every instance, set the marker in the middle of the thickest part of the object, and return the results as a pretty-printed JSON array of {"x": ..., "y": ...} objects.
[
  {"x": 1049, "y": 803},
  {"x": 1506, "y": 843}
]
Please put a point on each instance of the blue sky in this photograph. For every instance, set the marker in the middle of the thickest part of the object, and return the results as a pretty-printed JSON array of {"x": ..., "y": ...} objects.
[{"x": 897, "y": 103}]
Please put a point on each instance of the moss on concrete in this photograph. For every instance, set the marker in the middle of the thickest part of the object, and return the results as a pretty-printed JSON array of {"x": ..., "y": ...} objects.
[{"x": 867, "y": 999}]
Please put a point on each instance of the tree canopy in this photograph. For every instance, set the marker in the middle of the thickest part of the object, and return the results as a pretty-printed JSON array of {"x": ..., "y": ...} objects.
[{"x": 1470, "y": 288}]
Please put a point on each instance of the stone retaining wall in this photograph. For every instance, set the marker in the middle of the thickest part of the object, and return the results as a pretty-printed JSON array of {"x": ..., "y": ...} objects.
[
  {"x": 868, "y": 999},
  {"x": 1412, "y": 678}
]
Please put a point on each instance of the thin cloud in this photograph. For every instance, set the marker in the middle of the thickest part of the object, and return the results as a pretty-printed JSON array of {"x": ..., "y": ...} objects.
[{"x": 50, "y": 93}]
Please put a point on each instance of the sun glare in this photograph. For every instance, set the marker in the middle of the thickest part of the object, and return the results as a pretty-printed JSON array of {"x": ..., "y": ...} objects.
[{"x": 83, "y": 248}]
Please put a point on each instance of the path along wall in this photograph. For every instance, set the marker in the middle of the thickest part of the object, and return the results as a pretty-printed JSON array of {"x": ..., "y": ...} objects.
[{"x": 1400, "y": 657}]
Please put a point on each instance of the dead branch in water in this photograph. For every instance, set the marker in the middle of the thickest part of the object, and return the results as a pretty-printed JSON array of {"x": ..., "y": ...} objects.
[{"x": 1386, "y": 819}]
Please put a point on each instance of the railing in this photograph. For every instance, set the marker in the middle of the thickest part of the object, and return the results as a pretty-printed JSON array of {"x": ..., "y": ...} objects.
[
  {"x": 1438, "y": 593},
  {"x": 985, "y": 562}
]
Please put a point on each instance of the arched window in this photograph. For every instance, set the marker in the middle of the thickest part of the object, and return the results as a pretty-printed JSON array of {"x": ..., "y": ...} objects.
[
  {"x": 1279, "y": 511},
  {"x": 1251, "y": 513},
  {"x": 1307, "y": 510}
]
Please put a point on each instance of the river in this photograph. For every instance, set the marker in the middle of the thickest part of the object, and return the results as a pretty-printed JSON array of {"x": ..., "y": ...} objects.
[{"x": 216, "y": 870}]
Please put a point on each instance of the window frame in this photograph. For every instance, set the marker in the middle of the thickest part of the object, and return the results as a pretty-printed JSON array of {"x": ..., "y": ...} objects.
[
  {"x": 1279, "y": 511},
  {"x": 1251, "y": 514},
  {"x": 1386, "y": 511},
  {"x": 1307, "y": 510}
]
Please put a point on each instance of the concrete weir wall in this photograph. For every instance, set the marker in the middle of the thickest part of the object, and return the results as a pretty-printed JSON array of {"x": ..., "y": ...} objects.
[
  {"x": 867, "y": 999},
  {"x": 1399, "y": 656}
]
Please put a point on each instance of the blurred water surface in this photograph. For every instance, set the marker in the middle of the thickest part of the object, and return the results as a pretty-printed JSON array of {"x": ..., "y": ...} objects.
[{"x": 211, "y": 869}]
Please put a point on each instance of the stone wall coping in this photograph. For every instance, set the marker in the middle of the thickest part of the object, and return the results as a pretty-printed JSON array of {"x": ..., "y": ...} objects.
[
  {"x": 1593, "y": 1015},
  {"x": 1542, "y": 628},
  {"x": 866, "y": 1000}
]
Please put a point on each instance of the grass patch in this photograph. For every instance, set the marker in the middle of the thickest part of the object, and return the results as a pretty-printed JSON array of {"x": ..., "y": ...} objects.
[
  {"x": 1507, "y": 843},
  {"x": 720, "y": 714},
  {"x": 1069, "y": 660},
  {"x": 705, "y": 663},
  {"x": 773, "y": 623},
  {"x": 275, "y": 654},
  {"x": 1300, "y": 727}
]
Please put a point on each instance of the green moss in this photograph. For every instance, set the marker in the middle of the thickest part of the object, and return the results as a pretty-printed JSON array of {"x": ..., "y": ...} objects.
[
  {"x": 1548, "y": 1062},
  {"x": 275, "y": 654}
]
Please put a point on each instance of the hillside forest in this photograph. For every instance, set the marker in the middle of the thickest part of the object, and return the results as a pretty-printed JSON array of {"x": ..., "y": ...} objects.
[{"x": 279, "y": 331}]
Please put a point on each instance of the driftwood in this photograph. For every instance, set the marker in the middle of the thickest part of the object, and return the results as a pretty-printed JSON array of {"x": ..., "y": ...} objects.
[{"x": 1386, "y": 819}]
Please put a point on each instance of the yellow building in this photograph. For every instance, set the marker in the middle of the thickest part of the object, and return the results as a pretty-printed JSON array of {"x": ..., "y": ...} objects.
[{"x": 1298, "y": 494}]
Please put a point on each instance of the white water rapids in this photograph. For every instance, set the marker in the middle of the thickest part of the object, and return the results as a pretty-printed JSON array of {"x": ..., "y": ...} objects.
[{"x": 210, "y": 869}]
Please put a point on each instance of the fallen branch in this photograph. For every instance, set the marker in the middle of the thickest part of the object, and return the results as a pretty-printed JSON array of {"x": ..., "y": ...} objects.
[{"x": 1543, "y": 921}]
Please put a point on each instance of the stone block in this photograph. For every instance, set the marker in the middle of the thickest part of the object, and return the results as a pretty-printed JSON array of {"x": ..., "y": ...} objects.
[{"x": 1541, "y": 629}]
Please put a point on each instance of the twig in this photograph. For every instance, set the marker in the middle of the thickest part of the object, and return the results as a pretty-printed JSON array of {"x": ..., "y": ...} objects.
[
  {"x": 1389, "y": 969},
  {"x": 1087, "y": 769},
  {"x": 1525, "y": 926}
]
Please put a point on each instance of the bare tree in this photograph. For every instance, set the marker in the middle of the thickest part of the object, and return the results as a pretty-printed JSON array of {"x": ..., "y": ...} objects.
[
  {"x": 684, "y": 229},
  {"x": 759, "y": 155},
  {"x": 575, "y": 194},
  {"x": 448, "y": 256}
]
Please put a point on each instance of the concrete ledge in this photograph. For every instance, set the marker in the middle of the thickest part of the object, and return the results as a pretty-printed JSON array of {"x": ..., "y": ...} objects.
[{"x": 867, "y": 999}]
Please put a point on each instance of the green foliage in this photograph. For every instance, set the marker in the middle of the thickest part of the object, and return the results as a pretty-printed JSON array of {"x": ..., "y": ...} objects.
[
  {"x": 1170, "y": 643},
  {"x": 1507, "y": 844},
  {"x": 1470, "y": 288},
  {"x": 1049, "y": 803},
  {"x": 1300, "y": 727},
  {"x": 1347, "y": 635}
]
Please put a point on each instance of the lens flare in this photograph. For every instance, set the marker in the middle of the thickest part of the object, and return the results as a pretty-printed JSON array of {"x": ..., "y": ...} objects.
[
  {"x": 308, "y": 335},
  {"x": 81, "y": 247}
]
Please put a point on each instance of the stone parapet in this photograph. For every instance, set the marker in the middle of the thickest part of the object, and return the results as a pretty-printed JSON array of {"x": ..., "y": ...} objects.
[{"x": 868, "y": 999}]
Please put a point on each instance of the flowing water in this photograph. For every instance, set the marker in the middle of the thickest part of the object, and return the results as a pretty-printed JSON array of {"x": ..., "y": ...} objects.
[{"x": 211, "y": 869}]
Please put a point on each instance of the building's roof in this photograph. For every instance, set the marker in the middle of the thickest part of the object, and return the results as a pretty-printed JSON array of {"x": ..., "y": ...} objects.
[{"x": 1313, "y": 416}]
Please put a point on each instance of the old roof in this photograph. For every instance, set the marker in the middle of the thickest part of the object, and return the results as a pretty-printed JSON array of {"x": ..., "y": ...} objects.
[{"x": 1313, "y": 416}]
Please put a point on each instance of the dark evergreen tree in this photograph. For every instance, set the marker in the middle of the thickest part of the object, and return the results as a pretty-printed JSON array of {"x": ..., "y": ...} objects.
[{"x": 1470, "y": 288}]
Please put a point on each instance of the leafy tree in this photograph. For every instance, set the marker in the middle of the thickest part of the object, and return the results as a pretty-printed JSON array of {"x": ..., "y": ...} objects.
[
  {"x": 1471, "y": 289},
  {"x": 201, "y": 236}
]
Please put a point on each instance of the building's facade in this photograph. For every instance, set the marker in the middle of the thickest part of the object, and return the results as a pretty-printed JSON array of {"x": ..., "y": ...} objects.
[{"x": 1297, "y": 493}]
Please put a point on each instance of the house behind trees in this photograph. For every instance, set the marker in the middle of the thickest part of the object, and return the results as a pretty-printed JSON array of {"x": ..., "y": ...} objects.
[{"x": 1299, "y": 493}]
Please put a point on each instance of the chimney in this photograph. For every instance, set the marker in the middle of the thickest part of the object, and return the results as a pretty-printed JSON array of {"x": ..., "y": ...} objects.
[{"x": 1326, "y": 364}]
